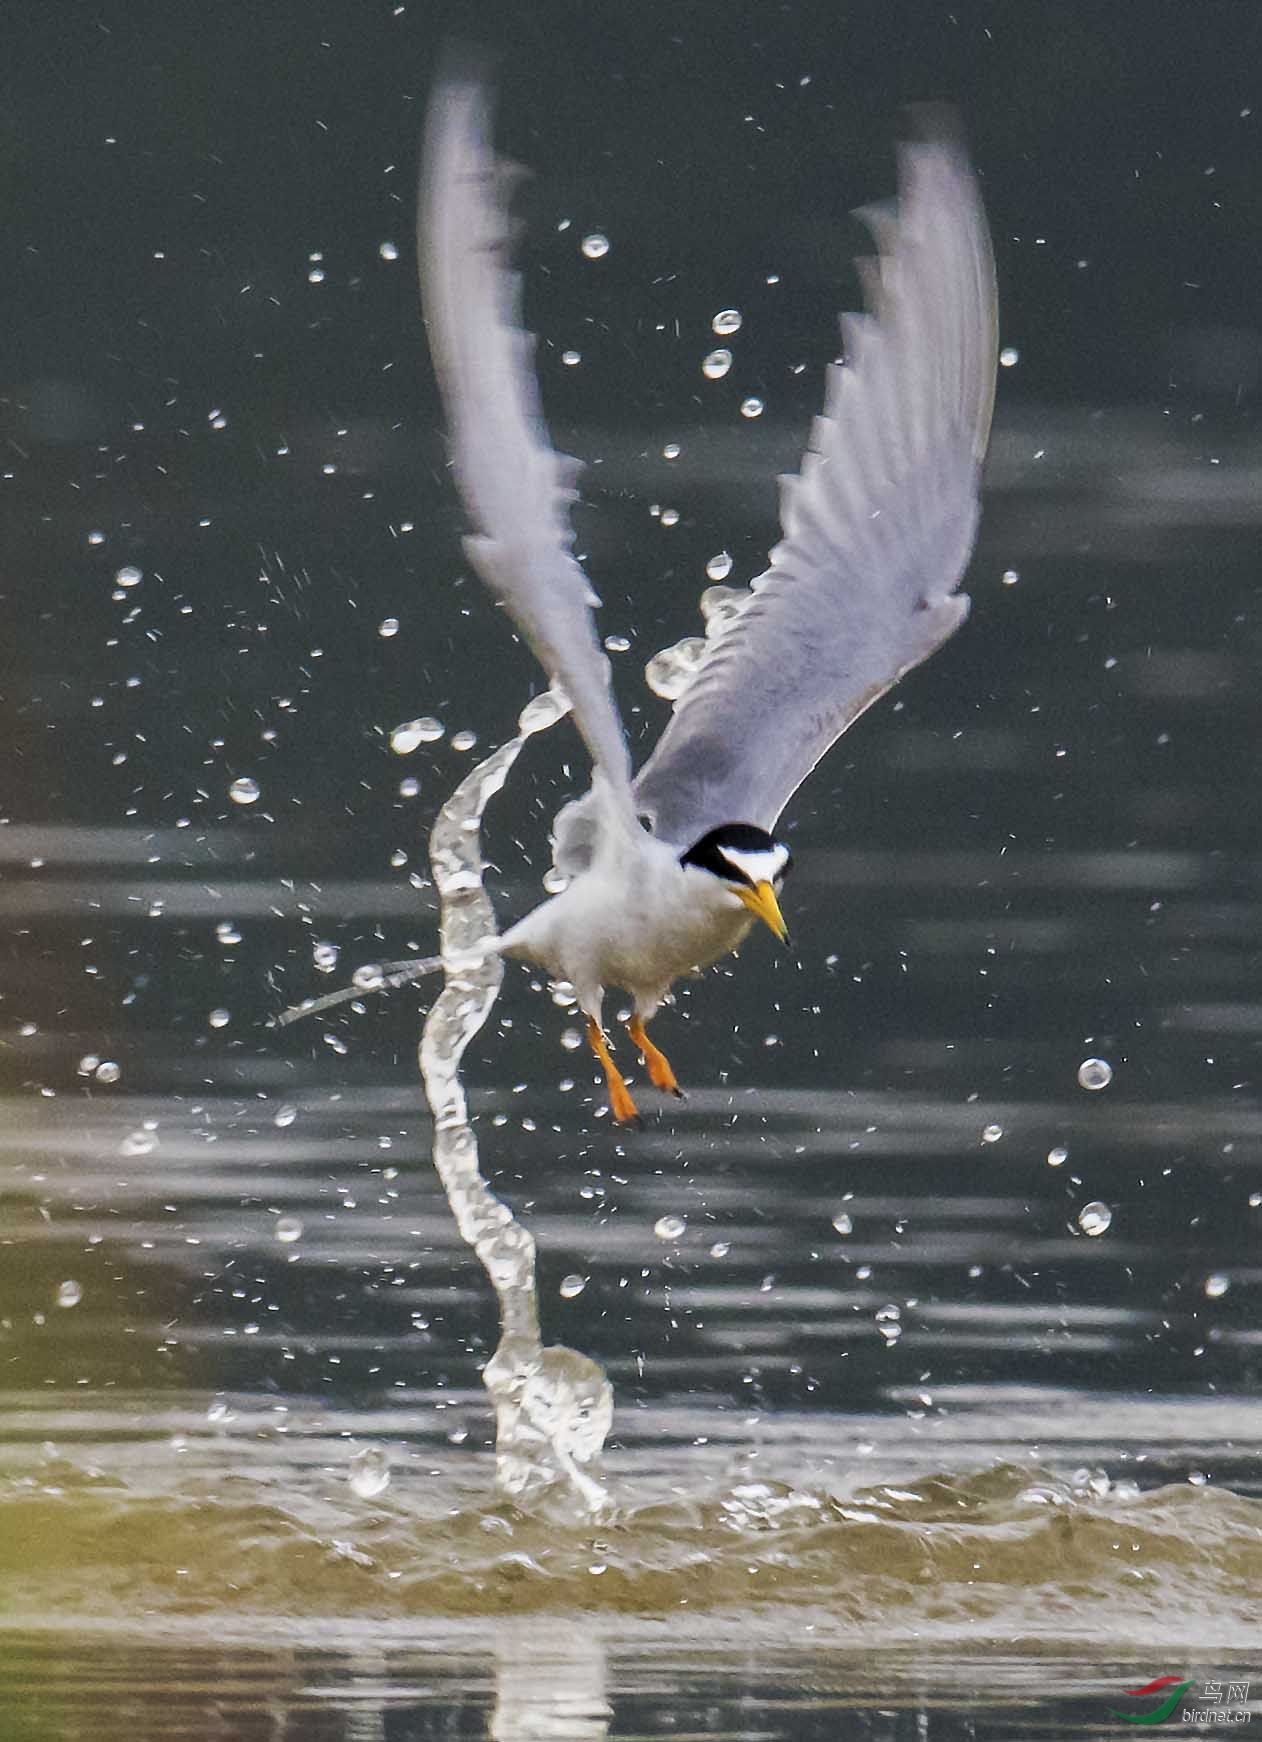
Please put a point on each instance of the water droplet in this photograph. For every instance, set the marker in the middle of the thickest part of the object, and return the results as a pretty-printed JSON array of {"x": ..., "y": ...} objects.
[
  {"x": 669, "y": 672},
  {"x": 219, "y": 1018},
  {"x": 1010, "y": 577},
  {"x": 69, "y": 1293},
  {"x": 1095, "y": 1074},
  {"x": 369, "y": 978},
  {"x": 542, "y": 712},
  {"x": 388, "y": 627},
  {"x": 96, "y": 537},
  {"x": 720, "y": 1249},
  {"x": 1095, "y": 1218},
  {"x": 617, "y": 643},
  {"x": 369, "y": 1473},
  {"x": 1009, "y": 356},
  {"x": 888, "y": 1322},
  {"x": 715, "y": 364},
  {"x": 1217, "y": 1285},
  {"x": 726, "y": 322},
  {"x": 1057, "y": 1157},
  {"x": 571, "y": 1286},
  {"x": 335, "y": 1044},
  {"x": 571, "y": 1039},
  {"x": 843, "y": 1223},
  {"x": 129, "y": 576},
  {"x": 324, "y": 957},
  {"x": 751, "y": 407},
  {"x": 464, "y": 740},
  {"x": 555, "y": 881},
  {"x": 670, "y": 1227},
  {"x": 410, "y": 787},
  {"x": 719, "y": 566},
  {"x": 595, "y": 246},
  {"x": 227, "y": 933},
  {"x": 217, "y": 1410},
  {"x": 670, "y": 517},
  {"x": 138, "y": 1143},
  {"x": 288, "y": 1229},
  {"x": 284, "y": 1115},
  {"x": 388, "y": 250},
  {"x": 87, "y": 1064},
  {"x": 991, "y": 1133},
  {"x": 571, "y": 359},
  {"x": 1255, "y": 1200},
  {"x": 406, "y": 738},
  {"x": 244, "y": 790},
  {"x": 108, "y": 1072}
]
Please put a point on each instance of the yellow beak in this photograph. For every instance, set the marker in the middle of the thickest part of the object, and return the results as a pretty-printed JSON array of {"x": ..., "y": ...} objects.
[{"x": 761, "y": 901}]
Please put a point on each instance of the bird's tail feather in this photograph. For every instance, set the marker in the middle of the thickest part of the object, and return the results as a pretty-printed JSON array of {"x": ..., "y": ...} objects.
[{"x": 378, "y": 977}]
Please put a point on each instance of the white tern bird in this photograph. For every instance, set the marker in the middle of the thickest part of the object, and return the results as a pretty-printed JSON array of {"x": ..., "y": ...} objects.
[{"x": 669, "y": 869}]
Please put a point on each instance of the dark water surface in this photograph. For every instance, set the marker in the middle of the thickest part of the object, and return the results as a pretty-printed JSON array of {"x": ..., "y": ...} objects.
[{"x": 936, "y": 1372}]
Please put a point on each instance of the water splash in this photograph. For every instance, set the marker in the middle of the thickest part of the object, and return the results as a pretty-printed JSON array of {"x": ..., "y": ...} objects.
[{"x": 553, "y": 1406}]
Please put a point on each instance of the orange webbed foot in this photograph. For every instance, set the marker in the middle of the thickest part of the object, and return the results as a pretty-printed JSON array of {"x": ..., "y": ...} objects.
[
  {"x": 656, "y": 1063},
  {"x": 621, "y": 1105}
]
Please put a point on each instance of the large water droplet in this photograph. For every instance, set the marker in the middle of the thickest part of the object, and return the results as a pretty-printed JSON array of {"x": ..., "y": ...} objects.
[
  {"x": 407, "y": 737},
  {"x": 719, "y": 566},
  {"x": 991, "y": 1133},
  {"x": 572, "y": 1286},
  {"x": 107, "y": 1071},
  {"x": 1095, "y": 1218},
  {"x": 542, "y": 712},
  {"x": 715, "y": 364},
  {"x": 669, "y": 672},
  {"x": 595, "y": 246},
  {"x": 1009, "y": 357},
  {"x": 227, "y": 933},
  {"x": 751, "y": 407},
  {"x": 388, "y": 250},
  {"x": 727, "y": 322},
  {"x": 843, "y": 1223},
  {"x": 324, "y": 957},
  {"x": 129, "y": 576},
  {"x": 464, "y": 740},
  {"x": 219, "y": 1017},
  {"x": 369, "y": 1473},
  {"x": 1217, "y": 1285},
  {"x": 244, "y": 790},
  {"x": 284, "y": 1115},
  {"x": 287, "y": 1229},
  {"x": 388, "y": 627},
  {"x": 69, "y": 1293},
  {"x": 1095, "y": 1074},
  {"x": 1057, "y": 1157},
  {"x": 670, "y": 1227}
]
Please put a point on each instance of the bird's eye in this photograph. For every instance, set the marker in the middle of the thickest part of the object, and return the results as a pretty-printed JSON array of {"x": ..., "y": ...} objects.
[{"x": 646, "y": 822}]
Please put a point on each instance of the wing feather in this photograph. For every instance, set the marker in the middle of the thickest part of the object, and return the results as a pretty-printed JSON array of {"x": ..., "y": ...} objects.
[
  {"x": 516, "y": 489},
  {"x": 877, "y": 527}
]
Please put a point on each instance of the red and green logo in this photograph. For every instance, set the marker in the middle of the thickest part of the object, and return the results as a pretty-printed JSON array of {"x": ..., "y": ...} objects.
[{"x": 1160, "y": 1713}]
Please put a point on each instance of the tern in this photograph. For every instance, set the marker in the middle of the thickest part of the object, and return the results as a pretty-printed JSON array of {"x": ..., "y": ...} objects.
[{"x": 669, "y": 869}]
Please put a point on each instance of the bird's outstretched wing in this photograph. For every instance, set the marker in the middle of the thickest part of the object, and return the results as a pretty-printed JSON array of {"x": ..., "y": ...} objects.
[
  {"x": 877, "y": 527},
  {"x": 516, "y": 489}
]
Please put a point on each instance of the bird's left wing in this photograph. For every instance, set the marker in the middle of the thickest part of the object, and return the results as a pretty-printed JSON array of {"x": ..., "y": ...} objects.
[
  {"x": 877, "y": 527},
  {"x": 516, "y": 489}
]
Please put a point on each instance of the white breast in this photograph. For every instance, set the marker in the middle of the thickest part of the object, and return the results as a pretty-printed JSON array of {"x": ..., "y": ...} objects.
[{"x": 637, "y": 921}]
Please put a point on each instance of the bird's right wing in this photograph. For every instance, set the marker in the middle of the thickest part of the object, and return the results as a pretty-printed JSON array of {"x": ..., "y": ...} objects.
[
  {"x": 516, "y": 489},
  {"x": 877, "y": 528}
]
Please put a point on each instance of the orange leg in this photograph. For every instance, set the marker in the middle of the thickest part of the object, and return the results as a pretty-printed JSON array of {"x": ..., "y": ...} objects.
[
  {"x": 620, "y": 1102},
  {"x": 660, "y": 1074}
]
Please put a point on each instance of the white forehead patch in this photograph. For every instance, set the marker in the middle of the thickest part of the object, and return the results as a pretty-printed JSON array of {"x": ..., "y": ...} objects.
[{"x": 760, "y": 865}]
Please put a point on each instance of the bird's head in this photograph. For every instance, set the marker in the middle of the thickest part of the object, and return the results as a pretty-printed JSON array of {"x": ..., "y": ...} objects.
[{"x": 750, "y": 866}]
